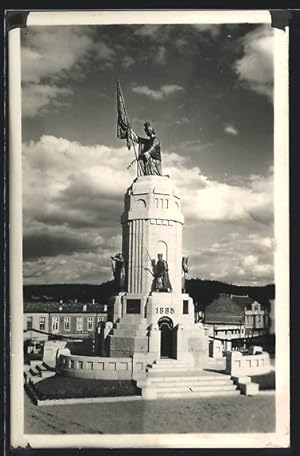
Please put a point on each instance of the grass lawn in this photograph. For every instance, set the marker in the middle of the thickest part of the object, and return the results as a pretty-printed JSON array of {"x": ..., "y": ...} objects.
[
  {"x": 60, "y": 387},
  {"x": 266, "y": 381}
]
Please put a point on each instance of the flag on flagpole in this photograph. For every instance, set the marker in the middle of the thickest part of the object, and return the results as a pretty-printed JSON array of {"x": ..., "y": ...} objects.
[
  {"x": 124, "y": 129},
  {"x": 122, "y": 123}
]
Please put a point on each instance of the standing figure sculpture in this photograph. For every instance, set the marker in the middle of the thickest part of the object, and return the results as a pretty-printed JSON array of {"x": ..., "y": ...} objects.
[
  {"x": 149, "y": 156},
  {"x": 118, "y": 267},
  {"x": 185, "y": 271},
  {"x": 161, "y": 275}
]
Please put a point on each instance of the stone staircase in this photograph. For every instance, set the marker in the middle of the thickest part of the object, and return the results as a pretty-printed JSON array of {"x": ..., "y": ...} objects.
[
  {"x": 36, "y": 372},
  {"x": 168, "y": 378},
  {"x": 130, "y": 326},
  {"x": 128, "y": 336}
]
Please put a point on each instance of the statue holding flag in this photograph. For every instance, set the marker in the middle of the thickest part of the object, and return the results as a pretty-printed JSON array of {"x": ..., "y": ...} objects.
[{"x": 148, "y": 157}]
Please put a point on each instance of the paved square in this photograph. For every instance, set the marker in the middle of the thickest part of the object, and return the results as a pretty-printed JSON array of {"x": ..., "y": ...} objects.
[{"x": 220, "y": 415}]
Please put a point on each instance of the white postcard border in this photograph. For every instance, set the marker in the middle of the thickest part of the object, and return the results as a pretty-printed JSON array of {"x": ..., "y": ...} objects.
[{"x": 281, "y": 197}]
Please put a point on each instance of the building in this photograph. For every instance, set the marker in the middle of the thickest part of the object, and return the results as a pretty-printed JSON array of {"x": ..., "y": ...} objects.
[
  {"x": 44, "y": 318},
  {"x": 256, "y": 320},
  {"x": 272, "y": 316},
  {"x": 233, "y": 320}
]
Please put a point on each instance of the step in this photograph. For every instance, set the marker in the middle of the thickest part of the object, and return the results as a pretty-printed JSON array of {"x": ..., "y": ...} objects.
[
  {"x": 170, "y": 370},
  {"x": 189, "y": 381},
  {"x": 130, "y": 332},
  {"x": 172, "y": 364},
  {"x": 129, "y": 325},
  {"x": 33, "y": 372},
  {"x": 126, "y": 333},
  {"x": 41, "y": 368},
  {"x": 199, "y": 394},
  {"x": 196, "y": 388},
  {"x": 48, "y": 374},
  {"x": 184, "y": 383},
  {"x": 35, "y": 362},
  {"x": 182, "y": 378},
  {"x": 132, "y": 319},
  {"x": 174, "y": 375},
  {"x": 48, "y": 368}
]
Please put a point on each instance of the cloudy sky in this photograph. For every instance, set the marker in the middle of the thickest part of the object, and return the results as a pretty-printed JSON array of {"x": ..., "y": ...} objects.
[{"x": 208, "y": 91}]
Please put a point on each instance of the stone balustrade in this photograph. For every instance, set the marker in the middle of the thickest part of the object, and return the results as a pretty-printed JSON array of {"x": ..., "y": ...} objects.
[
  {"x": 105, "y": 368},
  {"x": 238, "y": 365}
]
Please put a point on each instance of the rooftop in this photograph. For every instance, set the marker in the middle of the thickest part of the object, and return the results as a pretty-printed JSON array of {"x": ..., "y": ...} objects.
[{"x": 67, "y": 307}]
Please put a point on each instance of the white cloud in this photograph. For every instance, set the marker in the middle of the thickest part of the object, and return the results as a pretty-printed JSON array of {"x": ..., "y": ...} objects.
[
  {"x": 249, "y": 260},
  {"x": 231, "y": 130},
  {"x": 211, "y": 29},
  {"x": 161, "y": 93},
  {"x": 128, "y": 61},
  {"x": 169, "y": 89},
  {"x": 181, "y": 121},
  {"x": 50, "y": 55},
  {"x": 104, "y": 52},
  {"x": 207, "y": 199},
  {"x": 160, "y": 55},
  {"x": 235, "y": 259},
  {"x": 73, "y": 199},
  {"x": 35, "y": 97},
  {"x": 255, "y": 67},
  {"x": 149, "y": 30},
  {"x": 50, "y": 51}
]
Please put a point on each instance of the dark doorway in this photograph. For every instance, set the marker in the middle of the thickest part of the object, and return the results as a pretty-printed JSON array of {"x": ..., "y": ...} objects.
[{"x": 166, "y": 337}]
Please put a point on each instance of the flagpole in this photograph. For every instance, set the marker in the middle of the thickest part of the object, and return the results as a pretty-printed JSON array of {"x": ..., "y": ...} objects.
[{"x": 139, "y": 173}]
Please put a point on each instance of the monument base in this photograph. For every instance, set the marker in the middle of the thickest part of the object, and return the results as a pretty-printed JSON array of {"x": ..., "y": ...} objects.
[
  {"x": 158, "y": 325},
  {"x": 129, "y": 336}
]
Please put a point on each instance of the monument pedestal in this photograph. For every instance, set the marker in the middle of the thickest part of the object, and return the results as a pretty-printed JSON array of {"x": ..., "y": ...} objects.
[
  {"x": 160, "y": 325},
  {"x": 153, "y": 317}
]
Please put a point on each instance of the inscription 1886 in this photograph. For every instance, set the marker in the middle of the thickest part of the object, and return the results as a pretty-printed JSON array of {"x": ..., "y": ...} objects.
[{"x": 165, "y": 310}]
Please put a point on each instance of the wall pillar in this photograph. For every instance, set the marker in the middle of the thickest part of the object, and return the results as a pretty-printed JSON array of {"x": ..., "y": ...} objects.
[{"x": 154, "y": 341}]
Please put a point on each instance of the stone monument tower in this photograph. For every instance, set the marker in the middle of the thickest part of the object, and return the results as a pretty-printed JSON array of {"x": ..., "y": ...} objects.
[{"x": 151, "y": 314}]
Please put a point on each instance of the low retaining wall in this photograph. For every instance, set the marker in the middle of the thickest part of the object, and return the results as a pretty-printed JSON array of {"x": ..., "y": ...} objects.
[
  {"x": 102, "y": 368},
  {"x": 238, "y": 365}
]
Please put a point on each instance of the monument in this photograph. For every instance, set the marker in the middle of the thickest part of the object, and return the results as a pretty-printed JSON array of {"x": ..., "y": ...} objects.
[
  {"x": 151, "y": 337},
  {"x": 152, "y": 314}
]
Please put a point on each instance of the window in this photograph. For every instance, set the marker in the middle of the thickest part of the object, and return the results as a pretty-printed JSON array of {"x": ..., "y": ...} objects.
[
  {"x": 185, "y": 306},
  {"x": 100, "y": 318},
  {"x": 79, "y": 323},
  {"x": 90, "y": 323},
  {"x": 67, "y": 323},
  {"x": 249, "y": 321},
  {"x": 42, "y": 323},
  {"x": 259, "y": 321},
  {"x": 55, "y": 323},
  {"x": 29, "y": 322}
]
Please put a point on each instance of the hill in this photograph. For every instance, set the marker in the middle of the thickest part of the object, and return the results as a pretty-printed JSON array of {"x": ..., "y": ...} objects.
[{"x": 202, "y": 291}]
